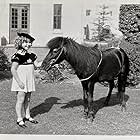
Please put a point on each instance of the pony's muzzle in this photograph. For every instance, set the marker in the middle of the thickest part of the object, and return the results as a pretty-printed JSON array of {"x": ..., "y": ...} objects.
[{"x": 51, "y": 63}]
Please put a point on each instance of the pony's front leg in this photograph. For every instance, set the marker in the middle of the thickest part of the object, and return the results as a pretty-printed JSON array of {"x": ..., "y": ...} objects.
[
  {"x": 91, "y": 111},
  {"x": 85, "y": 97},
  {"x": 85, "y": 103}
]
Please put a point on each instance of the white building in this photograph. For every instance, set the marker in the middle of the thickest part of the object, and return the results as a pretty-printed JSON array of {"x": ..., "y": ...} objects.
[{"x": 45, "y": 19}]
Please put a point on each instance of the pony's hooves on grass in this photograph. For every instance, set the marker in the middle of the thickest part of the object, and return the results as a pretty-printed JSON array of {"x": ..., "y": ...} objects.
[
  {"x": 85, "y": 115},
  {"x": 90, "y": 120},
  {"x": 123, "y": 108}
]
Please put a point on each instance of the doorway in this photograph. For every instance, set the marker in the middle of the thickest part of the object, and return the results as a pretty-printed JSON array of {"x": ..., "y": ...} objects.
[{"x": 19, "y": 20}]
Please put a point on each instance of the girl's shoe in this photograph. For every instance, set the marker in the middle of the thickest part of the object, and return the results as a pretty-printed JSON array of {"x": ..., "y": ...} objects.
[
  {"x": 21, "y": 124},
  {"x": 31, "y": 120}
]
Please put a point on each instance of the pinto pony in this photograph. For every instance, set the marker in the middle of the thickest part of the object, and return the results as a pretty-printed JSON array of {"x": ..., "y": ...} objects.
[{"x": 91, "y": 65}]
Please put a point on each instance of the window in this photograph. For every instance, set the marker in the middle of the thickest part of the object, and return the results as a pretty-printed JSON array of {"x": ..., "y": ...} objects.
[
  {"x": 57, "y": 16},
  {"x": 24, "y": 18},
  {"x": 88, "y": 12},
  {"x": 14, "y": 18}
]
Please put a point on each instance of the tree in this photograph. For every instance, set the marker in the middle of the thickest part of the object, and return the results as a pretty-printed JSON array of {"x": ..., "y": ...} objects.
[{"x": 103, "y": 16}]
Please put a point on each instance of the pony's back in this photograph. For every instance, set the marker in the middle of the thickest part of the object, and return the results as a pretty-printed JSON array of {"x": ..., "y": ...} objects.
[{"x": 112, "y": 63}]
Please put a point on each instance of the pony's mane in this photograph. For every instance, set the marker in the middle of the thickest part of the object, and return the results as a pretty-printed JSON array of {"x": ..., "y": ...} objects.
[
  {"x": 56, "y": 42},
  {"x": 75, "y": 48}
]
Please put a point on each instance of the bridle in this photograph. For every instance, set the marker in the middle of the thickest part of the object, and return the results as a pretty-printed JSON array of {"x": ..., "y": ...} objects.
[{"x": 54, "y": 60}]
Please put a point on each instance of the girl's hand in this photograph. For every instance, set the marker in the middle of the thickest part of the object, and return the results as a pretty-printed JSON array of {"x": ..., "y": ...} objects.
[
  {"x": 38, "y": 64},
  {"x": 21, "y": 85}
]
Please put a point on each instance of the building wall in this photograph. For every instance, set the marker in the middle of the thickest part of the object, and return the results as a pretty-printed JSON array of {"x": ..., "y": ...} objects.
[
  {"x": 41, "y": 19},
  {"x": 73, "y": 17}
]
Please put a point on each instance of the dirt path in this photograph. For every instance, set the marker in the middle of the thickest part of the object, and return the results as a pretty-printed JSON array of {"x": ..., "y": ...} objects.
[{"x": 58, "y": 108}]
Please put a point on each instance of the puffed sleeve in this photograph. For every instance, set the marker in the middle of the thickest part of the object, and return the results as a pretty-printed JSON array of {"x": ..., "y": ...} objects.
[
  {"x": 15, "y": 58},
  {"x": 33, "y": 57}
]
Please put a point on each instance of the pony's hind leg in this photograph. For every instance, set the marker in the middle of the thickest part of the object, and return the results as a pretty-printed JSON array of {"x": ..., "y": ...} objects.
[
  {"x": 111, "y": 86},
  {"x": 121, "y": 90}
]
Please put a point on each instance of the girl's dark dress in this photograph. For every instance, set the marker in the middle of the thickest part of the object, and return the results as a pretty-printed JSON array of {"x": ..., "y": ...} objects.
[{"x": 25, "y": 71}]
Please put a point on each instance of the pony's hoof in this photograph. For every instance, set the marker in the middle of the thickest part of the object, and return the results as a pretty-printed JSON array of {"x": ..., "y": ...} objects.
[
  {"x": 91, "y": 117},
  {"x": 123, "y": 108},
  {"x": 85, "y": 115},
  {"x": 90, "y": 120}
]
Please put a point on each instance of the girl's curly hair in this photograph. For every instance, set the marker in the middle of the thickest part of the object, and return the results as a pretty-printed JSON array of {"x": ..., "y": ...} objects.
[{"x": 18, "y": 42}]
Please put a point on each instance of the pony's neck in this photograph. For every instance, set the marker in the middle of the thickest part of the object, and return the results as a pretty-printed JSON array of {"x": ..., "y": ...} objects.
[{"x": 82, "y": 59}]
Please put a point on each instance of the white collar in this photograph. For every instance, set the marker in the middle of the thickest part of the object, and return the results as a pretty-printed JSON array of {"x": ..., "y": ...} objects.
[{"x": 21, "y": 52}]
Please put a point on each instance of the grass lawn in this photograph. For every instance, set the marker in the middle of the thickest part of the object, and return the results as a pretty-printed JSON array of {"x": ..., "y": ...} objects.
[{"x": 59, "y": 108}]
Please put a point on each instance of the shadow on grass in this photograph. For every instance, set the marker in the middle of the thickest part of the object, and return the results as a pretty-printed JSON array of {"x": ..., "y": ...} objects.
[
  {"x": 5, "y": 75},
  {"x": 98, "y": 104},
  {"x": 44, "y": 107}
]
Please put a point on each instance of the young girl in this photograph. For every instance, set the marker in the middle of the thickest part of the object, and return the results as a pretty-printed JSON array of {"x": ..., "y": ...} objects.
[{"x": 23, "y": 77}]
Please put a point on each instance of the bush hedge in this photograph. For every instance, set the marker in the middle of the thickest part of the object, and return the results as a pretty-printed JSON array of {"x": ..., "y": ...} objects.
[
  {"x": 129, "y": 22},
  {"x": 56, "y": 73},
  {"x": 129, "y": 25},
  {"x": 134, "y": 60},
  {"x": 5, "y": 66},
  {"x": 4, "y": 62}
]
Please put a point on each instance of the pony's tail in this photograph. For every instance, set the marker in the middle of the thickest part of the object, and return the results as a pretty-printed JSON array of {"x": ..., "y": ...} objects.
[
  {"x": 122, "y": 78},
  {"x": 126, "y": 64}
]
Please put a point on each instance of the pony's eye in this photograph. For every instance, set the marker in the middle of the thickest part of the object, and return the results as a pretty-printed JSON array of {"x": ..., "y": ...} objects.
[{"x": 55, "y": 50}]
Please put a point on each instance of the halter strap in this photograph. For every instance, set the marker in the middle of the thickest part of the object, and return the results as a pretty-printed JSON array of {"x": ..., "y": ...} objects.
[
  {"x": 59, "y": 54},
  {"x": 96, "y": 69},
  {"x": 62, "y": 48}
]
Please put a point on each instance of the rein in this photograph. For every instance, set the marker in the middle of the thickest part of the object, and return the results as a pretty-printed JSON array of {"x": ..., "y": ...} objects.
[
  {"x": 59, "y": 55},
  {"x": 96, "y": 69}
]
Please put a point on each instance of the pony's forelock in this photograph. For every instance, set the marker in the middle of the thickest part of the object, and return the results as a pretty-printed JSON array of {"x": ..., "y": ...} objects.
[
  {"x": 55, "y": 42},
  {"x": 58, "y": 42}
]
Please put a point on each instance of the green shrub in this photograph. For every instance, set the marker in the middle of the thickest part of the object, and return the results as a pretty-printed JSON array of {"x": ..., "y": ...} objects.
[
  {"x": 134, "y": 60},
  {"x": 55, "y": 74},
  {"x": 128, "y": 23},
  {"x": 4, "y": 63},
  {"x": 129, "y": 26}
]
